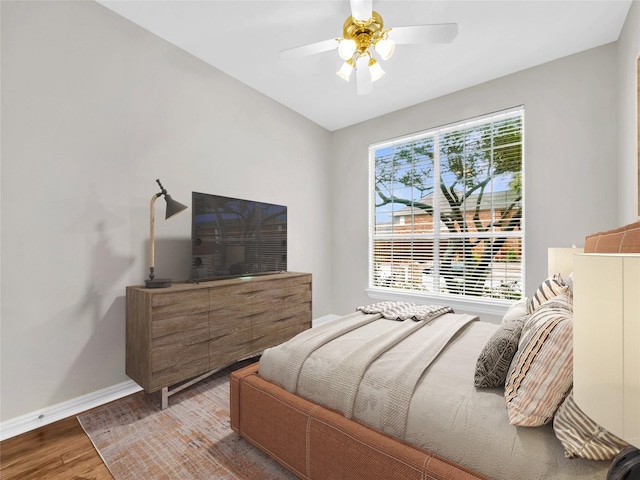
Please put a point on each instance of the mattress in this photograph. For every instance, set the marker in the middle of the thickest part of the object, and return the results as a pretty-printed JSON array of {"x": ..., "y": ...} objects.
[{"x": 447, "y": 415}]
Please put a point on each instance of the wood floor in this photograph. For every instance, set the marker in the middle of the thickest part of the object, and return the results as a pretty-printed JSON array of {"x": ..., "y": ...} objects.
[{"x": 59, "y": 451}]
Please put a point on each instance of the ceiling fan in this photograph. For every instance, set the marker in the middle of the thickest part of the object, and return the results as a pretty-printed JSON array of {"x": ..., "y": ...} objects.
[{"x": 363, "y": 34}]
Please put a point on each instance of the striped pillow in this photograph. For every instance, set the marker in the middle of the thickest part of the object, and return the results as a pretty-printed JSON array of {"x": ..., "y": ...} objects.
[
  {"x": 581, "y": 436},
  {"x": 541, "y": 373},
  {"x": 550, "y": 288}
]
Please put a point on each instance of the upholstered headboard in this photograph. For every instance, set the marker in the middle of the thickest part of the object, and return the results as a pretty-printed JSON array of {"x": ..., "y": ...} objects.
[{"x": 621, "y": 240}]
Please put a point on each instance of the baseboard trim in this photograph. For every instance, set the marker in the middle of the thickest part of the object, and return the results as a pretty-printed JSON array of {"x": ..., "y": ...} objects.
[
  {"x": 31, "y": 421},
  {"x": 321, "y": 320}
]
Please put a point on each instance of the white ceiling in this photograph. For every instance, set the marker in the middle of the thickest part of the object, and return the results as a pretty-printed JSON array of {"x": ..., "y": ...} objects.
[{"x": 243, "y": 39}]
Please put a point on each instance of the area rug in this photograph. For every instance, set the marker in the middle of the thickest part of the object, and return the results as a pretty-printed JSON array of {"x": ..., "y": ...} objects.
[{"x": 190, "y": 440}]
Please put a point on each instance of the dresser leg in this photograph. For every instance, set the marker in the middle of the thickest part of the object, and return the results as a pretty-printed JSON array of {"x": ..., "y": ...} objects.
[
  {"x": 166, "y": 393},
  {"x": 165, "y": 397}
]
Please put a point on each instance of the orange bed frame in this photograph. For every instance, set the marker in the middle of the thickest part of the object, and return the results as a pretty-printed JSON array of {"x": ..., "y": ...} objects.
[{"x": 316, "y": 443}]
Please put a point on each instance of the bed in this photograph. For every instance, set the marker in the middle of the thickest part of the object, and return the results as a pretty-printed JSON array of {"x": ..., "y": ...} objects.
[{"x": 459, "y": 422}]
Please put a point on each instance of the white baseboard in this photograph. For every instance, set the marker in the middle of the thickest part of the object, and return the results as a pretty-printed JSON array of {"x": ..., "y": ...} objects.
[
  {"x": 321, "y": 320},
  {"x": 31, "y": 421}
]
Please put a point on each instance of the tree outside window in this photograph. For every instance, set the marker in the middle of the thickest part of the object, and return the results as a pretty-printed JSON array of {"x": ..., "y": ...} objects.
[{"x": 447, "y": 210}]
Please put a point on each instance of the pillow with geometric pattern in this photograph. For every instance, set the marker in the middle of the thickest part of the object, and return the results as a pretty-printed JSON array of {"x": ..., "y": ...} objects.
[{"x": 496, "y": 356}]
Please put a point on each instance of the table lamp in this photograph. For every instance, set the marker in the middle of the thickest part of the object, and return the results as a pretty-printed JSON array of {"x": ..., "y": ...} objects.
[
  {"x": 173, "y": 207},
  {"x": 560, "y": 260}
]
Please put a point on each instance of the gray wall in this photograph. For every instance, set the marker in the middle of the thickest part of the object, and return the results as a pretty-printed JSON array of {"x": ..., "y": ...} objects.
[
  {"x": 94, "y": 109},
  {"x": 628, "y": 53},
  {"x": 570, "y": 160}
]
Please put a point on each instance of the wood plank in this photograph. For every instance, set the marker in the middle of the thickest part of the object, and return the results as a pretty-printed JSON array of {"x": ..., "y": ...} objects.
[
  {"x": 189, "y": 366},
  {"x": 231, "y": 300},
  {"x": 239, "y": 287},
  {"x": 282, "y": 287},
  {"x": 138, "y": 337},
  {"x": 58, "y": 451},
  {"x": 230, "y": 336},
  {"x": 272, "y": 326},
  {"x": 225, "y": 328},
  {"x": 233, "y": 307},
  {"x": 196, "y": 325},
  {"x": 281, "y": 309},
  {"x": 224, "y": 352},
  {"x": 272, "y": 309},
  {"x": 173, "y": 304},
  {"x": 275, "y": 338},
  {"x": 168, "y": 356}
]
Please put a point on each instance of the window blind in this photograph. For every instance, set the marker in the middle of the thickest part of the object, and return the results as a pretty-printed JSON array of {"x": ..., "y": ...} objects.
[{"x": 447, "y": 211}]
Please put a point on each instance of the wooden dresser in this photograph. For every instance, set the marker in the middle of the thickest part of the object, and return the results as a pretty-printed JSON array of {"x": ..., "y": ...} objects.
[{"x": 188, "y": 331}]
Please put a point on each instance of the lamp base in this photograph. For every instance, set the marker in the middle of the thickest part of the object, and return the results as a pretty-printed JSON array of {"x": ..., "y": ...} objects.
[
  {"x": 157, "y": 283},
  {"x": 626, "y": 466}
]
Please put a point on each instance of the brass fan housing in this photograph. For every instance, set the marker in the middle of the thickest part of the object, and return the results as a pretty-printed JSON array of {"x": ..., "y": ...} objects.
[{"x": 364, "y": 32}]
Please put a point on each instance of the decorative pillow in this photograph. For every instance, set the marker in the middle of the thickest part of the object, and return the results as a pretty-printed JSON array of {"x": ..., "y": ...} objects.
[
  {"x": 515, "y": 311},
  {"x": 551, "y": 287},
  {"x": 496, "y": 356},
  {"x": 581, "y": 436},
  {"x": 541, "y": 373},
  {"x": 564, "y": 300},
  {"x": 569, "y": 282}
]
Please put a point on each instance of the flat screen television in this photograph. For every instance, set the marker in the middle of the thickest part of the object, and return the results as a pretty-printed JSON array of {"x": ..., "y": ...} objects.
[{"x": 232, "y": 237}]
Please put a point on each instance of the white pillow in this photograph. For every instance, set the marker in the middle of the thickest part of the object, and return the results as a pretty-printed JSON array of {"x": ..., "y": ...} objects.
[{"x": 515, "y": 311}]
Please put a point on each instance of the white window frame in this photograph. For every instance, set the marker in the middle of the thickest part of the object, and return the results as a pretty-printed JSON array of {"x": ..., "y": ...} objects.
[{"x": 478, "y": 305}]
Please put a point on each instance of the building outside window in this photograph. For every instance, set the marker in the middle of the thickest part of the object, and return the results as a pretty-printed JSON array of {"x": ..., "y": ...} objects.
[{"x": 447, "y": 214}]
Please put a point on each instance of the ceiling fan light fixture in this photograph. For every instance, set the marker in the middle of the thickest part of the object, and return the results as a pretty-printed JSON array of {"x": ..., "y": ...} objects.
[
  {"x": 346, "y": 48},
  {"x": 385, "y": 48},
  {"x": 364, "y": 37},
  {"x": 375, "y": 70},
  {"x": 345, "y": 70}
]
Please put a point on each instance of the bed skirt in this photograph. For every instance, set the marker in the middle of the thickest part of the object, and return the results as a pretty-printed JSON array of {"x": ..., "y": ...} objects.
[{"x": 316, "y": 443}]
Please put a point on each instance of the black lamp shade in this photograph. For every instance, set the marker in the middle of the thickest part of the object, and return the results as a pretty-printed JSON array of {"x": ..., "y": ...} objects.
[{"x": 173, "y": 207}]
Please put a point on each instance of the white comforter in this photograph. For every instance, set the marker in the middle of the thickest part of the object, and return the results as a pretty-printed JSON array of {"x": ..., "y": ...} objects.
[
  {"x": 446, "y": 414},
  {"x": 337, "y": 365}
]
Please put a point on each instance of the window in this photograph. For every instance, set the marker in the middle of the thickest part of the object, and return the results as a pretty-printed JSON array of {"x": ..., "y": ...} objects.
[{"x": 447, "y": 210}]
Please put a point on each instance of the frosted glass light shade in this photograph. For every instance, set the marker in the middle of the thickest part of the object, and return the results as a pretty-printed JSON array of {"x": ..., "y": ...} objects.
[
  {"x": 346, "y": 48},
  {"x": 385, "y": 48},
  {"x": 375, "y": 70},
  {"x": 345, "y": 70}
]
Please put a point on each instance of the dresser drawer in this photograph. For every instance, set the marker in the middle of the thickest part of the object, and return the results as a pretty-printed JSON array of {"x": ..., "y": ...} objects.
[
  {"x": 179, "y": 304},
  {"x": 180, "y": 334},
  {"x": 173, "y": 329},
  {"x": 172, "y": 364}
]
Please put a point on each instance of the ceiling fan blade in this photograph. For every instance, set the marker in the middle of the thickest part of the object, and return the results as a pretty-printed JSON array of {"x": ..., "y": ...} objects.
[
  {"x": 361, "y": 9},
  {"x": 311, "y": 49},
  {"x": 436, "y": 33},
  {"x": 363, "y": 77}
]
